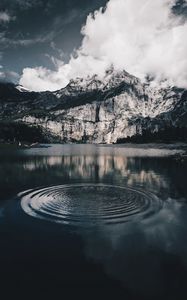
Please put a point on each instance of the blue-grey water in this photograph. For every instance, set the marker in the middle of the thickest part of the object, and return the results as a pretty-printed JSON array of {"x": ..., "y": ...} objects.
[{"x": 93, "y": 220}]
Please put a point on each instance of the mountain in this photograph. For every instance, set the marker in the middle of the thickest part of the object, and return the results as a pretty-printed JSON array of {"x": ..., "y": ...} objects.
[{"x": 117, "y": 108}]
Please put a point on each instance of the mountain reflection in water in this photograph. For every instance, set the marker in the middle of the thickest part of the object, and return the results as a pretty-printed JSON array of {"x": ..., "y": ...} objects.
[{"x": 106, "y": 187}]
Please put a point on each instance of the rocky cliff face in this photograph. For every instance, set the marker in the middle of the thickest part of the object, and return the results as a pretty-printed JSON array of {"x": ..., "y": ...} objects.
[{"x": 94, "y": 110}]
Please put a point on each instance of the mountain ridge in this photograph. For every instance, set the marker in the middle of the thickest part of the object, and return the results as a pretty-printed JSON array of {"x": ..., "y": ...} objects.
[{"x": 92, "y": 110}]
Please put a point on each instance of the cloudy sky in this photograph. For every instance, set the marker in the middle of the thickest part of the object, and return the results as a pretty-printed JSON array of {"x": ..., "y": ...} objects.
[{"x": 45, "y": 43}]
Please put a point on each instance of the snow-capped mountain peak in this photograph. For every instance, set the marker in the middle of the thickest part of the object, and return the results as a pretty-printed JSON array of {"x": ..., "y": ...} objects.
[
  {"x": 22, "y": 89},
  {"x": 139, "y": 99},
  {"x": 99, "y": 110}
]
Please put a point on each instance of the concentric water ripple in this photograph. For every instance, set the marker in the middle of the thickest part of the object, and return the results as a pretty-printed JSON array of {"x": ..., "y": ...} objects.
[{"x": 88, "y": 204}]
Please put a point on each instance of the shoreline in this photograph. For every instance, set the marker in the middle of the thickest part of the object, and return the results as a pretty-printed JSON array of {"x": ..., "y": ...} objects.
[
  {"x": 159, "y": 145},
  {"x": 181, "y": 156},
  {"x": 18, "y": 145}
]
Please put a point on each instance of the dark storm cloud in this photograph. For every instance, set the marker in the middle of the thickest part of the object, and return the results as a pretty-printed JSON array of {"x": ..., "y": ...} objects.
[
  {"x": 180, "y": 8},
  {"x": 39, "y": 32},
  {"x": 32, "y": 32}
]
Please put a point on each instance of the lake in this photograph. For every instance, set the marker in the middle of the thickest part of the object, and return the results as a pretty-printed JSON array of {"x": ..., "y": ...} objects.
[{"x": 93, "y": 220}]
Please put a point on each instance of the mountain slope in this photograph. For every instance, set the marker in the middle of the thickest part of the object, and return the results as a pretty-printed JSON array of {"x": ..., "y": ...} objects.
[{"x": 95, "y": 110}]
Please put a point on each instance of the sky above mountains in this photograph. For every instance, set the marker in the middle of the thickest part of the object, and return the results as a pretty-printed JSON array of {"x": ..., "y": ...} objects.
[
  {"x": 45, "y": 43},
  {"x": 38, "y": 32}
]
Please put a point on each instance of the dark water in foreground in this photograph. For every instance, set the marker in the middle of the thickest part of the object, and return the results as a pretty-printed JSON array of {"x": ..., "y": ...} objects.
[{"x": 93, "y": 221}]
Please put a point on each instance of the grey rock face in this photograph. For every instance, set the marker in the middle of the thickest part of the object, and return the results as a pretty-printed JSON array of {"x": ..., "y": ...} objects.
[{"x": 96, "y": 111}]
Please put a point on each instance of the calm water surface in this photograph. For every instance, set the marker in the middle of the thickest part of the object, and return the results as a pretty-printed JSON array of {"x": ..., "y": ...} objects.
[{"x": 93, "y": 220}]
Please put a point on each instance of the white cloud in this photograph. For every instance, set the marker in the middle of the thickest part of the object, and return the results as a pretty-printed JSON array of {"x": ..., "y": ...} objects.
[
  {"x": 141, "y": 36},
  {"x": 4, "y": 17},
  {"x": 8, "y": 76}
]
